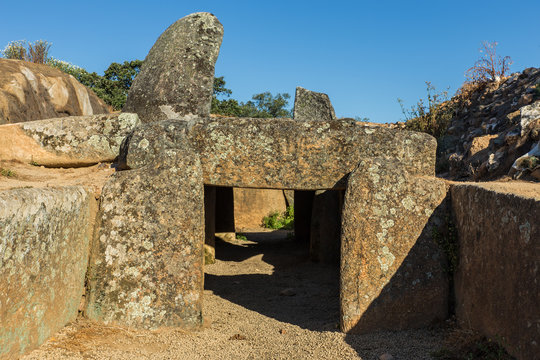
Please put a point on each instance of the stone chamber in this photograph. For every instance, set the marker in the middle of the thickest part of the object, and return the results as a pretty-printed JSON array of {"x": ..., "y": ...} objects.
[{"x": 413, "y": 248}]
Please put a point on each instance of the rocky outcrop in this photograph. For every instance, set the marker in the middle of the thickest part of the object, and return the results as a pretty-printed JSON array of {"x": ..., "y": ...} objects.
[
  {"x": 282, "y": 153},
  {"x": 44, "y": 246},
  {"x": 312, "y": 106},
  {"x": 393, "y": 273},
  {"x": 494, "y": 124},
  {"x": 146, "y": 266},
  {"x": 31, "y": 91},
  {"x": 177, "y": 76},
  {"x": 496, "y": 282},
  {"x": 69, "y": 142}
]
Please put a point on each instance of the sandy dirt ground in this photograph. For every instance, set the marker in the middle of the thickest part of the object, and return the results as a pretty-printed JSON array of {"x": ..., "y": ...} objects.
[{"x": 263, "y": 299}]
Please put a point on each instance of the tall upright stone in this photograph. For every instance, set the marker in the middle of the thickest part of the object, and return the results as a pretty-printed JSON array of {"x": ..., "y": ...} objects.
[
  {"x": 323, "y": 217},
  {"x": 177, "y": 76},
  {"x": 147, "y": 258},
  {"x": 393, "y": 272},
  {"x": 312, "y": 106}
]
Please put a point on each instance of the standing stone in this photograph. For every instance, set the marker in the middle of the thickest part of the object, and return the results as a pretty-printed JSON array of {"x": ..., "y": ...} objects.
[
  {"x": 177, "y": 76},
  {"x": 325, "y": 222},
  {"x": 312, "y": 106},
  {"x": 393, "y": 272},
  {"x": 146, "y": 268}
]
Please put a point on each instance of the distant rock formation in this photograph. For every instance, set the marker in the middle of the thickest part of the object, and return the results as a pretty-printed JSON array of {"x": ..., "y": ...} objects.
[
  {"x": 177, "y": 76},
  {"x": 492, "y": 127},
  {"x": 31, "y": 91}
]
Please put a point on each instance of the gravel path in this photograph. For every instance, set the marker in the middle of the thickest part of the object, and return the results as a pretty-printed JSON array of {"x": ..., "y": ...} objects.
[{"x": 263, "y": 299}]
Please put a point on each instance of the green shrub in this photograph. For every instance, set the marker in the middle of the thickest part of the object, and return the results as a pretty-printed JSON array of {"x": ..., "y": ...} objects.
[
  {"x": 7, "y": 172},
  {"x": 36, "y": 52},
  {"x": 241, "y": 237},
  {"x": 276, "y": 220},
  {"x": 15, "y": 50},
  {"x": 431, "y": 115}
]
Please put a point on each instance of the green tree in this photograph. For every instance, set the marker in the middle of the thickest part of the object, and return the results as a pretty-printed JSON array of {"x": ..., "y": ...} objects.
[
  {"x": 268, "y": 105},
  {"x": 219, "y": 87},
  {"x": 112, "y": 87},
  {"x": 263, "y": 105}
]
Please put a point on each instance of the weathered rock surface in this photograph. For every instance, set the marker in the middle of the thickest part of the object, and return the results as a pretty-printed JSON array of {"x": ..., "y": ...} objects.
[
  {"x": 393, "y": 273},
  {"x": 177, "y": 76},
  {"x": 502, "y": 116},
  {"x": 31, "y": 91},
  {"x": 282, "y": 153},
  {"x": 44, "y": 246},
  {"x": 70, "y": 141},
  {"x": 312, "y": 106},
  {"x": 496, "y": 282},
  {"x": 146, "y": 268},
  {"x": 252, "y": 205}
]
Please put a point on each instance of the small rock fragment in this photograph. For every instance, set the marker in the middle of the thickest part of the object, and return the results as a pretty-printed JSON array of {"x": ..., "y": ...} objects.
[
  {"x": 238, "y": 337},
  {"x": 287, "y": 292}
]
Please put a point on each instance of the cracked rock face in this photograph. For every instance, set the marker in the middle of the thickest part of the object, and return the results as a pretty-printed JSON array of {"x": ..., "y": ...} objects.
[{"x": 177, "y": 76}]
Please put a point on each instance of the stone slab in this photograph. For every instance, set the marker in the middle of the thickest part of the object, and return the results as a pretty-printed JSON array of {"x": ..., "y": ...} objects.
[
  {"x": 147, "y": 265},
  {"x": 283, "y": 153},
  {"x": 496, "y": 282},
  {"x": 67, "y": 142},
  {"x": 44, "y": 247},
  {"x": 393, "y": 273}
]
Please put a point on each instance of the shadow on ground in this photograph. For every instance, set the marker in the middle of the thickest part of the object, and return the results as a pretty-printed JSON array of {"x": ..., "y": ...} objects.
[
  {"x": 306, "y": 294},
  {"x": 298, "y": 291}
]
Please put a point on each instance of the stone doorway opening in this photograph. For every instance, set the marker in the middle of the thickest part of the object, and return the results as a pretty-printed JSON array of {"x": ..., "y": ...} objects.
[
  {"x": 232, "y": 212},
  {"x": 274, "y": 272}
]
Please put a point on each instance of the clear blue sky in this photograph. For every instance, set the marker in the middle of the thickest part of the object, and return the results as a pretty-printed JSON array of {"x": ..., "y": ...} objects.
[{"x": 363, "y": 54}]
